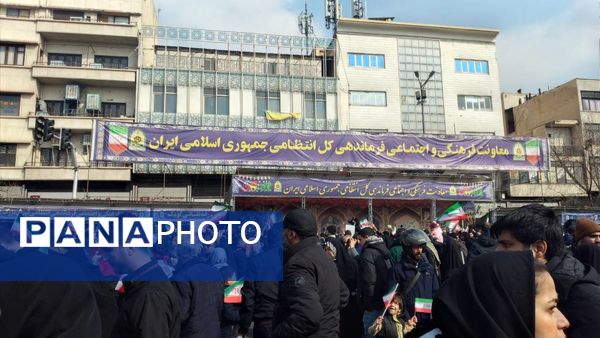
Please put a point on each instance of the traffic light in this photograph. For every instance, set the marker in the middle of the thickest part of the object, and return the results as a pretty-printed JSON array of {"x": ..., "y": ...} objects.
[
  {"x": 65, "y": 138},
  {"x": 40, "y": 127},
  {"x": 48, "y": 130}
]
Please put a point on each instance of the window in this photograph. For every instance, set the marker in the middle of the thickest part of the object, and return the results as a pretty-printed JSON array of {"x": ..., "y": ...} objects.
[
  {"x": 12, "y": 54},
  {"x": 8, "y": 155},
  {"x": 592, "y": 133},
  {"x": 509, "y": 117},
  {"x": 466, "y": 102},
  {"x": 51, "y": 157},
  {"x": 122, "y": 20},
  {"x": 55, "y": 107},
  {"x": 590, "y": 100},
  {"x": 267, "y": 101},
  {"x": 10, "y": 104},
  {"x": 114, "y": 109},
  {"x": 165, "y": 99},
  {"x": 71, "y": 60},
  {"x": 209, "y": 64},
  {"x": 314, "y": 106},
  {"x": 366, "y": 60},
  {"x": 471, "y": 66},
  {"x": 112, "y": 61},
  {"x": 67, "y": 15},
  {"x": 86, "y": 141},
  {"x": 17, "y": 12},
  {"x": 216, "y": 101},
  {"x": 358, "y": 98}
]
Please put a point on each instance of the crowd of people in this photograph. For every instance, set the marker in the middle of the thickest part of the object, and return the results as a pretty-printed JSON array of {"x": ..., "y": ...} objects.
[{"x": 526, "y": 275}]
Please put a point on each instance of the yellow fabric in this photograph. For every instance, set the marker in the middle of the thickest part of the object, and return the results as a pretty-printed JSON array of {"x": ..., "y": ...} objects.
[{"x": 277, "y": 116}]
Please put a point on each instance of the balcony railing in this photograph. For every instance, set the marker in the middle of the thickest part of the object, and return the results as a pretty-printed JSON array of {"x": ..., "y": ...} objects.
[
  {"x": 82, "y": 112},
  {"x": 93, "y": 65},
  {"x": 69, "y": 164},
  {"x": 87, "y": 19}
]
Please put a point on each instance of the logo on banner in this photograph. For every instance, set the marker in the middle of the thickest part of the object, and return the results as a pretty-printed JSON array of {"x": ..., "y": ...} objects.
[
  {"x": 518, "y": 152},
  {"x": 117, "y": 139},
  {"x": 138, "y": 141},
  {"x": 533, "y": 151}
]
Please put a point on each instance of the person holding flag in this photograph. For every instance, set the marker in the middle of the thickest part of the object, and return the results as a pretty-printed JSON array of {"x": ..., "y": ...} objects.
[{"x": 390, "y": 324}]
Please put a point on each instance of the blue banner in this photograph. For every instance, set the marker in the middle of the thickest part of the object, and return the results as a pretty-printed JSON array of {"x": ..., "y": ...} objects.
[{"x": 113, "y": 245}]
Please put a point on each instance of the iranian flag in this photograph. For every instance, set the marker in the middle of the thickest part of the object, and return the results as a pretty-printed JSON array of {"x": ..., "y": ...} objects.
[
  {"x": 423, "y": 305},
  {"x": 233, "y": 293},
  {"x": 387, "y": 298},
  {"x": 454, "y": 213},
  {"x": 117, "y": 139}
]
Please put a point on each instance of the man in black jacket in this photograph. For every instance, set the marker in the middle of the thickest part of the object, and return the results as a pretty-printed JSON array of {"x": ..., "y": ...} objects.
[
  {"x": 374, "y": 271},
  {"x": 535, "y": 227},
  {"x": 200, "y": 292},
  {"x": 258, "y": 305},
  {"x": 148, "y": 307},
  {"x": 311, "y": 294}
]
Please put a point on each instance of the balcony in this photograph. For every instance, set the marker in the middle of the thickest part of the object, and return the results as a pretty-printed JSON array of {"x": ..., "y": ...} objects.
[
  {"x": 87, "y": 30},
  {"x": 75, "y": 119},
  {"x": 94, "y": 171},
  {"x": 55, "y": 72}
]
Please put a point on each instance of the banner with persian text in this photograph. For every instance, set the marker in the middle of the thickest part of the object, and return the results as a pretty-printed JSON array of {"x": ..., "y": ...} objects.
[
  {"x": 127, "y": 142},
  {"x": 376, "y": 188}
]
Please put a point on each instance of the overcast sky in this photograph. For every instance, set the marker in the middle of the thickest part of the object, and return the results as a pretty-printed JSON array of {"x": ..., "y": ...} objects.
[{"x": 542, "y": 43}]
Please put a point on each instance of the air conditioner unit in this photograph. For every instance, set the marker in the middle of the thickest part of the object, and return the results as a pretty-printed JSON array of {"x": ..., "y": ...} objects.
[
  {"x": 85, "y": 141},
  {"x": 95, "y": 65},
  {"x": 72, "y": 92},
  {"x": 92, "y": 102},
  {"x": 57, "y": 63}
]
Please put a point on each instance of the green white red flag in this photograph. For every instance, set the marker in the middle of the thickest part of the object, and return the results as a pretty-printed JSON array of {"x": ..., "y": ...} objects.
[
  {"x": 423, "y": 305},
  {"x": 233, "y": 293},
  {"x": 454, "y": 213},
  {"x": 387, "y": 298}
]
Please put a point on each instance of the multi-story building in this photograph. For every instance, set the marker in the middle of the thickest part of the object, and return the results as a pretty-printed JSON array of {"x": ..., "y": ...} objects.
[
  {"x": 377, "y": 65},
  {"x": 569, "y": 115},
  {"x": 73, "y": 62}
]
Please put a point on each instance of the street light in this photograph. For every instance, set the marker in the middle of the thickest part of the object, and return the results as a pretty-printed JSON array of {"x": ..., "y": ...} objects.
[{"x": 421, "y": 95}]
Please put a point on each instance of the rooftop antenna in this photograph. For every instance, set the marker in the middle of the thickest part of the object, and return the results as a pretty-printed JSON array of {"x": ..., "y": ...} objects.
[
  {"x": 358, "y": 9},
  {"x": 332, "y": 14},
  {"x": 305, "y": 21}
]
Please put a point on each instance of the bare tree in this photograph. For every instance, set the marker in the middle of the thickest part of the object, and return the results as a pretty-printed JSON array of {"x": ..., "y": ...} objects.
[{"x": 581, "y": 164}]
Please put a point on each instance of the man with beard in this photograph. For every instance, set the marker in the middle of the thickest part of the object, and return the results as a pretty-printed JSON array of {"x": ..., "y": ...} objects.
[
  {"x": 416, "y": 277},
  {"x": 149, "y": 305},
  {"x": 311, "y": 294}
]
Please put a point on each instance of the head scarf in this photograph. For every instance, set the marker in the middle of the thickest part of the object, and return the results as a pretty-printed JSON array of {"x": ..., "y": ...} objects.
[
  {"x": 492, "y": 297},
  {"x": 588, "y": 254}
]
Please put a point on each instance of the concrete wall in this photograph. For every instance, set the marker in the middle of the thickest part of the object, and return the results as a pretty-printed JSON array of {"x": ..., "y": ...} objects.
[
  {"x": 454, "y": 84},
  {"x": 369, "y": 79}
]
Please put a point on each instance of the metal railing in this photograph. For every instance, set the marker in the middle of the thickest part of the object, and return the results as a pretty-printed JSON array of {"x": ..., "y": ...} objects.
[
  {"x": 69, "y": 164},
  {"x": 82, "y": 112},
  {"x": 86, "y": 19},
  {"x": 92, "y": 65}
]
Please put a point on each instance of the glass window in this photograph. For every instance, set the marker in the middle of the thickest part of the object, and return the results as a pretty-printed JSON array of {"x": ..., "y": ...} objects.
[
  {"x": 216, "y": 101},
  {"x": 471, "y": 66},
  {"x": 114, "y": 109},
  {"x": 362, "y": 98},
  {"x": 67, "y": 15},
  {"x": 54, "y": 107},
  {"x": 165, "y": 99},
  {"x": 8, "y": 155},
  {"x": 366, "y": 60},
  {"x": 475, "y": 102},
  {"x": 380, "y": 61},
  {"x": 10, "y": 104},
  {"x": 267, "y": 101},
  {"x": 315, "y": 106},
  {"x": 17, "y": 12},
  {"x": 12, "y": 54},
  {"x": 351, "y": 61},
  {"x": 71, "y": 60},
  {"x": 112, "y": 61}
]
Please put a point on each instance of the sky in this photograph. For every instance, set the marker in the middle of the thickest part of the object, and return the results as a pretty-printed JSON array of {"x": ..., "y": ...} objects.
[{"x": 542, "y": 43}]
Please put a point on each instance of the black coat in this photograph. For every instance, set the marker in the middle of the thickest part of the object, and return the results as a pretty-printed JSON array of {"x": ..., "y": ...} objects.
[
  {"x": 148, "y": 309},
  {"x": 45, "y": 309},
  {"x": 200, "y": 298},
  {"x": 374, "y": 273},
  {"x": 311, "y": 294},
  {"x": 483, "y": 244},
  {"x": 258, "y": 303},
  {"x": 578, "y": 289}
]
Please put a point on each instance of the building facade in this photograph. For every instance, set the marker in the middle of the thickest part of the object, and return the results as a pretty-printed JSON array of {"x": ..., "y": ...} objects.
[
  {"x": 569, "y": 115},
  {"x": 377, "y": 65},
  {"x": 72, "y": 62}
]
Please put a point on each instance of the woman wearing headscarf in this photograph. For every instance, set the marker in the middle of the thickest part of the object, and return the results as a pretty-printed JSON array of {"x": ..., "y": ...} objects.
[
  {"x": 588, "y": 254},
  {"x": 499, "y": 295}
]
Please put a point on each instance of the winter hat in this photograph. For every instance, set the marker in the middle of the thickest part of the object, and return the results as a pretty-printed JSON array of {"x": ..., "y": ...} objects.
[
  {"x": 302, "y": 222},
  {"x": 585, "y": 227}
]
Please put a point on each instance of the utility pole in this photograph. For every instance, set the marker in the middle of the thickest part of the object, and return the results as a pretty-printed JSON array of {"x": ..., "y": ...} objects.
[{"x": 421, "y": 95}]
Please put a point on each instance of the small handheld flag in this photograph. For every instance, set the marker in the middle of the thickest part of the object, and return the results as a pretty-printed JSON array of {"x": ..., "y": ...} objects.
[
  {"x": 423, "y": 305},
  {"x": 387, "y": 298},
  {"x": 233, "y": 293}
]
